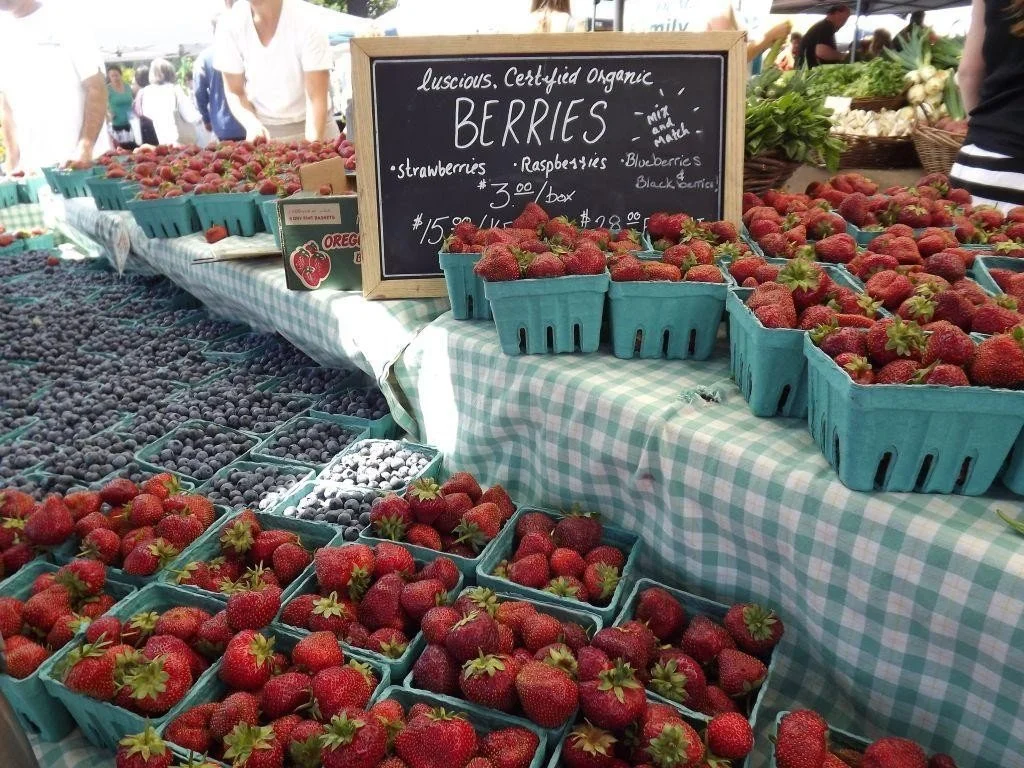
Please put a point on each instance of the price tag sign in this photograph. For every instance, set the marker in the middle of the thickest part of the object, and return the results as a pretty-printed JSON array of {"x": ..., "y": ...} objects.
[{"x": 603, "y": 128}]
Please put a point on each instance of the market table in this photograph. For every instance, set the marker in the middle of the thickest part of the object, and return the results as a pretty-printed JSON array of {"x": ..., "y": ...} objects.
[
  {"x": 904, "y": 613},
  {"x": 333, "y": 327},
  {"x": 71, "y": 752}
]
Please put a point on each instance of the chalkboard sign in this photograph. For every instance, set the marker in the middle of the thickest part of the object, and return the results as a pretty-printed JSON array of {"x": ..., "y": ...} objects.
[{"x": 605, "y": 128}]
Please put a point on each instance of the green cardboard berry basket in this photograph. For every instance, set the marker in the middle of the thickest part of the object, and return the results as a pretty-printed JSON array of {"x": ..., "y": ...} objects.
[
  {"x": 13, "y": 249},
  {"x": 267, "y": 205},
  {"x": 695, "y": 606},
  {"x": 72, "y": 183},
  {"x": 235, "y": 211},
  {"x": 384, "y": 427},
  {"x": 483, "y": 720},
  {"x": 111, "y": 194},
  {"x": 307, "y": 584},
  {"x": 50, "y": 174},
  {"x": 8, "y": 193},
  {"x": 148, "y": 456},
  {"x": 215, "y": 351},
  {"x": 465, "y": 288},
  {"x": 505, "y": 546},
  {"x": 837, "y": 739},
  {"x": 675, "y": 321},
  {"x": 302, "y": 490},
  {"x": 983, "y": 275},
  {"x": 305, "y": 471},
  {"x": 697, "y": 721},
  {"x": 558, "y": 315},
  {"x": 432, "y": 467},
  {"x": 44, "y": 242},
  {"x": 214, "y": 689},
  {"x": 262, "y": 451},
  {"x": 38, "y": 711},
  {"x": 28, "y": 188},
  {"x": 104, "y": 723},
  {"x": 865, "y": 236},
  {"x": 910, "y": 438},
  {"x": 165, "y": 217},
  {"x": 312, "y": 535},
  {"x": 588, "y": 621}
]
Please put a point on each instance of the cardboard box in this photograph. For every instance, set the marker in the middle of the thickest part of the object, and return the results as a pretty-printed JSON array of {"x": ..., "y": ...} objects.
[{"x": 320, "y": 241}]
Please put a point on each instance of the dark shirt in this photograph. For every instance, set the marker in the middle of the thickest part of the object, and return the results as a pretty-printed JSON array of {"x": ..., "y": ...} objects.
[
  {"x": 209, "y": 91},
  {"x": 822, "y": 33},
  {"x": 996, "y": 121}
]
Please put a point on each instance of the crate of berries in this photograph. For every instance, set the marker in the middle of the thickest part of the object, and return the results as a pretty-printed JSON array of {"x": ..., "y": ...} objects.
[
  {"x": 308, "y": 441},
  {"x": 803, "y": 736},
  {"x": 893, "y": 408},
  {"x": 250, "y": 550},
  {"x": 573, "y": 560},
  {"x": 491, "y": 650},
  {"x": 258, "y": 484},
  {"x": 671, "y": 307},
  {"x": 38, "y": 239},
  {"x": 767, "y": 325},
  {"x": 465, "y": 287},
  {"x": 28, "y": 188},
  {"x": 457, "y": 517},
  {"x": 112, "y": 193},
  {"x": 322, "y": 501},
  {"x": 196, "y": 450},
  {"x": 163, "y": 214},
  {"x": 9, "y": 244},
  {"x": 267, "y": 678},
  {"x": 42, "y": 609},
  {"x": 382, "y": 465},
  {"x": 709, "y": 658},
  {"x": 1001, "y": 274},
  {"x": 372, "y": 598},
  {"x": 235, "y": 211},
  {"x": 361, "y": 407}
]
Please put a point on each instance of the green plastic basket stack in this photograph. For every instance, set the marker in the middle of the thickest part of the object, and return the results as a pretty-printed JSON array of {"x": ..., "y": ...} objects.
[
  {"x": 504, "y": 547},
  {"x": 236, "y": 211},
  {"x": 28, "y": 188},
  {"x": 111, "y": 194},
  {"x": 465, "y": 288},
  {"x": 72, "y": 183},
  {"x": 166, "y": 217},
  {"x": 8, "y": 193}
]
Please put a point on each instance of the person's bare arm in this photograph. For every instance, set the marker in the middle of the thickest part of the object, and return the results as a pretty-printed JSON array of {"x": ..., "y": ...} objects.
[
  {"x": 92, "y": 118},
  {"x": 723, "y": 18},
  {"x": 972, "y": 65},
  {"x": 827, "y": 53},
  {"x": 10, "y": 136},
  {"x": 317, "y": 102},
  {"x": 241, "y": 107},
  {"x": 772, "y": 36}
]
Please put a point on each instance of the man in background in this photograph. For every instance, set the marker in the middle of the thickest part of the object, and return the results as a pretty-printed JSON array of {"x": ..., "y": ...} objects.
[
  {"x": 903, "y": 36},
  {"x": 276, "y": 64},
  {"x": 52, "y": 87},
  {"x": 819, "y": 43},
  {"x": 210, "y": 99}
]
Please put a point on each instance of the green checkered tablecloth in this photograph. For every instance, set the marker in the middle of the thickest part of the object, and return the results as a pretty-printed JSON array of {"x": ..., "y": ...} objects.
[
  {"x": 104, "y": 234},
  {"x": 23, "y": 216},
  {"x": 72, "y": 752},
  {"x": 904, "y": 613}
]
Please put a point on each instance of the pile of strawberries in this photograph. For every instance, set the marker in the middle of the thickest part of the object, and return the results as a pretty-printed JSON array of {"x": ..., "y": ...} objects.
[
  {"x": 147, "y": 663},
  {"x": 897, "y": 351},
  {"x": 9, "y": 238},
  {"x": 803, "y": 739},
  {"x": 564, "y": 556},
  {"x": 251, "y": 557},
  {"x": 59, "y": 605},
  {"x": 276, "y": 701},
  {"x": 704, "y": 665},
  {"x": 800, "y": 294},
  {"x": 384, "y": 736},
  {"x": 372, "y": 599},
  {"x": 659, "y": 736},
  {"x": 508, "y": 655},
  {"x": 28, "y": 527},
  {"x": 1010, "y": 282},
  {"x": 458, "y": 517}
]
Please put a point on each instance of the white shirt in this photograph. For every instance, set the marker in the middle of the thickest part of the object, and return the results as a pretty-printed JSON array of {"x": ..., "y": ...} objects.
[
  {"x": 44, "y": 58},
  {"x": 274, "y": 73},
  {"x": 164, "y": 104}
]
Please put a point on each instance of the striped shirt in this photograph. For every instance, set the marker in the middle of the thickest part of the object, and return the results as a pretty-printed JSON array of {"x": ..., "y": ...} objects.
[{"x": 991, "y": 178}]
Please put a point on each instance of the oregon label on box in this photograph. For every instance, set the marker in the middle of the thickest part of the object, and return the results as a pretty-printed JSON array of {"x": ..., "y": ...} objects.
[{"x": 320, "y": 242}]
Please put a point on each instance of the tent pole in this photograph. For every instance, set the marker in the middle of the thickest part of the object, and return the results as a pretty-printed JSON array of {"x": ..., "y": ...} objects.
[
  {"x": 856, "y": 31},
  {"x": 619, "y": 14}
]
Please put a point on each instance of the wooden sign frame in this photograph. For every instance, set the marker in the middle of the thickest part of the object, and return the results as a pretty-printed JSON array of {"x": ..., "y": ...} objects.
[{"x": 366, "y": 50}]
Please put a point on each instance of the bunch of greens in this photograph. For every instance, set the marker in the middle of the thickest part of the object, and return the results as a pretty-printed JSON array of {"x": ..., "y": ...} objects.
[
  {"x": 879, "y": 78},
  {"x": 794, "y": 124},
  {"x": 924, "y": 49},
  {"x": 831, "y": 79}
]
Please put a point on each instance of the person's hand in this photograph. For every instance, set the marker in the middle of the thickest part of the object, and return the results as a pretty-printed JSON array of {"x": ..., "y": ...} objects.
[
  {"x": 256, "y": 129},
  {"x": 83, "y": 153}
]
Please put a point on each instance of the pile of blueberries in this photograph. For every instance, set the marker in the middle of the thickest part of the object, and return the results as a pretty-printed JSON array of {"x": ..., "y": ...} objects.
[
  {"x": 386, "y": 465},
  {"x": 257, "y": 487},
  {"x": 200, "y": 451},
  {"x": 329, "y": 503}
]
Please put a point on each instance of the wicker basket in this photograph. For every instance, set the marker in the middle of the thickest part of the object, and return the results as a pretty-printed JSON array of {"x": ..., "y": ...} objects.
[
  {"x": 766, "y": 171},
  {"x": 878, "y": 104},
  {"x": 937, "y": 149},
  {"x": 878, "y": 152}
]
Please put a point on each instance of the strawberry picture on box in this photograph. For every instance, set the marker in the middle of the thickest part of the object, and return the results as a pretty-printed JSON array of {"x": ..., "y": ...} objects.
[
  {"x": 371, "y": 598},
  {"x": 310, "y": 264}
]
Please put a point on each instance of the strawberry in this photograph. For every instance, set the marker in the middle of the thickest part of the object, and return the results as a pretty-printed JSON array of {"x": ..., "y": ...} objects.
[
  {"x": 416, "y": 744},
  {"x": 435, "y": 670},
  {"x": 658, "y": 271},
  {"x": 392, "y": 558},
  {"x": 669, "y": 740},
  {"x": 353, "y": 741},
  {"x": 540, "y": 630},
  {"x": 327, "y": 614},
  {"x": 82, "y": 503},
  {"x": 545, "y": 265},
  {"x": 253, "y": 609},
  {"x": 601, "y": 581},
  {"x": 247, "y": 661},
  {"x": 472, "y": 635},
  {"x": 627, "y": 269},
  {"x": 43, "y": 609},
  {"x": 941, "y": 375},
  {"x": 418, "y": 597},
  {"x": 344, "y": 569},
  {"x": 317, "y": 651},
  {"x": 606, "y": 554},
  {"x": 949, "y": 344},
  {"x": 182, "y": 622},
  {"x": 463, "y": 482},
  {"x": 389, "y": 642},
  {"x": 578, "y": 531},
  {"x": 856, "y": 367},
  {"x": 512, "y": 747},
  {"x": 83, "y": 578},
  {"x": 437, "y": 621},
  {"x": 479, "y": 526},
  {"x": 179, "y": 530},
  {"x": 704, "y": 639},
  {"x": 739, "y": 673},
  {"x": 897, "y": 372},
  {"x": 289, "y": 560},
  {"x": 266, "y": 542},
  {"x": 142, "y": 750},
  {"x": 614, "y": 700},
  {"x": 801, "y": 740},
  {"x": 662, "y": 613},
  {"x": 381, "y": 605},
  {"x": 587, "y": 746},
  {"x": 532, "y": 217},
  {"x": 532, "y": 571},
  {"x": 566, "y": 562},
  {"x": 118, "y": 491},
  {"x": 993, "y": 319},
  {"x": 425, "y": 500},
  {"x": 337, "y": 689},
  {"x": 49, "y": 523},
  {"x": 149, "y": 557},
  {"x": 892, "y": 339},
  {"x": 755, "y": 629},
  {"x": 489, "y": 680},
  {"x": 498, "y": 496},
  {"x": 191, "y": 729},
  {"x": 10, "y": 616},
  {"x": 161, "y": 485},
  {"x": 678, "y": 677},
  {"x": 390, "y": 517},
  {"x": 836, "y": 249},
  {"x": 237, "y": 708},
  {"x": 547, "y": 695},
  {"x": 535, "y": 543},
  {"x": 24, "y": 658},
  {"x": 443, "y": 569},
  {"x": 729, "y": 735},
  {"x": 157, "y": 685},
  {"x": 999, "y": 361},
  {"x": 253, "y": 746},
  {"x": 215, "y": 233},
  {"x": 893, "y": 751}
]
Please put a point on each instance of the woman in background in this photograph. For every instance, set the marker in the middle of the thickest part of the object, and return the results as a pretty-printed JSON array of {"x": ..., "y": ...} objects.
[
  {"x": 164, "y": 102},
  {"x": 146, "y": 131},
  {"x": 119, "y": 108},
  {"x": 991, "y": 163},
  {"x": 551, "y": 16}
]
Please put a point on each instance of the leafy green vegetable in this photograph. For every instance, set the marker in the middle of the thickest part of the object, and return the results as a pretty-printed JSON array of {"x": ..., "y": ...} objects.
[
  {"x": 921, "y": 51},
  {"x": 879, "y": 78}
]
